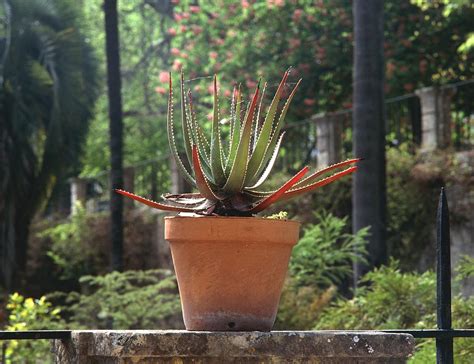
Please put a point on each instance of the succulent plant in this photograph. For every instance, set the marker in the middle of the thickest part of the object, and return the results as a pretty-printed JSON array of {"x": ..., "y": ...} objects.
[{"x": 228, "y": 176}]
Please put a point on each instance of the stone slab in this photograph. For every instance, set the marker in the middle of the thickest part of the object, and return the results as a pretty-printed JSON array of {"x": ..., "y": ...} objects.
[{"x": 176, "y": 346}]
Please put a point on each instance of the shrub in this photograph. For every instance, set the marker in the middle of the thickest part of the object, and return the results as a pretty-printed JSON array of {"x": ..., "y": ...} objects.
[
  {"x": 322, "y": 258},
  {"x": 325, "y": 254},
  {"x": 389, "y": 299},
  {"x": 30, "y": 314},
  {"x": 69, "y": 249},
  {"x": 129, "y": 300}
]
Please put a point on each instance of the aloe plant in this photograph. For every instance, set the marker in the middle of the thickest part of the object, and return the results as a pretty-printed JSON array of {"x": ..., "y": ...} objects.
[{"x": 229, "y": 176}]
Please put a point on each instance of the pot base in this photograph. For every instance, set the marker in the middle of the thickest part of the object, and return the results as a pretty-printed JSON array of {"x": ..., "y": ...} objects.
[{"x": 227, "y": 321}]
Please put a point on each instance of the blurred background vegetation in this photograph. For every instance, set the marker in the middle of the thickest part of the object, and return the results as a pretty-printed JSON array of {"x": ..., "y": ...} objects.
[{"x": 54, "y": 128}]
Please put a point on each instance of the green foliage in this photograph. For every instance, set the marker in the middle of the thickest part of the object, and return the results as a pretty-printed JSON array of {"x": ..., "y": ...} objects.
[
  {"x": 322, "y": 259},
  {"x": 325, "y": 254},
  {"x": 389, "y": 299},
  {"x": 69, "y": 250},
  {"x": 129, "y": 300},
  {"x": 30, "y": 314},
  {"x": 465, "y": 268},
  {"x": 410, "y": 218}
]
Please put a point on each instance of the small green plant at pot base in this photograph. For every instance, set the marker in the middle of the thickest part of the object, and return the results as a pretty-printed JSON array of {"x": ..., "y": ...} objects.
[{"x": 230, "y": 265}]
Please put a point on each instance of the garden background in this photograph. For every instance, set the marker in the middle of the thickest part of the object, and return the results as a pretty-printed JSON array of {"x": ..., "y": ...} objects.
[{"x": 60, "y": 267}]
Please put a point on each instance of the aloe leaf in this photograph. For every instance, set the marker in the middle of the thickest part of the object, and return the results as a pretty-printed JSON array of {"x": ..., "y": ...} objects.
[
  {"x": 238, "y": 170},
  {"x": 294, "y": 192},
  {"x": 171, "y": 138},
  {"x": 311, "y": 178},
  {"x": 184, "y": 122},
  {"x": 154, "y": 204},
  {"x": 201, "y": 180},
  {"x": 275, "y": 196},
  {"x": 270, "y": 164},
  {"x": 199, "y": 139},
  {"x": 275, "y": 134},
  {"x": 258, "y": 118},
  {"x": 235, "y": 132},
  {"x": 265, "y": 133},
  {"x": 216, "y": 147}
]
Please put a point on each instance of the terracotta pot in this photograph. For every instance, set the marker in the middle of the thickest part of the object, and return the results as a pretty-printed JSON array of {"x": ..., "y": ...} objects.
[{"x": 230, "y": 270}]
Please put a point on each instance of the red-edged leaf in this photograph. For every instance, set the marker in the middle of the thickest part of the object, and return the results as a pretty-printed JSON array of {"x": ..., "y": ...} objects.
[
  {"x": 201, "y": 181},
  {"x": 298, "y": 191},
  {"x": 274, "y": 197},
  {"x": 152, "y": 203},
  {"x": 312, "y": 177}
]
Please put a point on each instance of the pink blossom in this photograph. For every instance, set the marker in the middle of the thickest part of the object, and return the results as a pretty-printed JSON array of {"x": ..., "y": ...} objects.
[
  {"x": 175, "y": 51},
  {"x": 184, "y": 55},
  {"x": 297, "y": 15},
  {"x": 164, "y": 77},
  {"x": 194, "y": 9},
  {"x": 210, "y": 116},
  {"x": 178, "y": 17},
  {"x": 279, "y": 3},
  {"x": 175, "y": 2},
  {"x": 227, "y": 93},
  {"x": 251, "y": 83},
  {"x": 309, "y": 102},
  {"x": 172, "y": 32},
  {"x": 197, "y": 88},
  {"x": 185, "y": 15},
  {"x": 294, "y": 42},
  {"x": 245, "y": 4},
  {"x": 219, "y": 41},
  {"x": 197, "y": 30},
  {"x": 213, "y": 55},
  {"x": 177, "y": 64},
  {"x": 160, "y": 90},
  {"x": 183, "y": 28}
]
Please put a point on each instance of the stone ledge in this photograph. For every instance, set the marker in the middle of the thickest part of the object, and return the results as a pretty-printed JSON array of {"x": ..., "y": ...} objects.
[{"x": 175, "y": 346}]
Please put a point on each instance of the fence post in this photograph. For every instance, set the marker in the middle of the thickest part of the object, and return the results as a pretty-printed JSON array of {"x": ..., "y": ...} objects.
[
  {"x": 444, "y": 346},
  {"x": 78, "y": 193},
  {"x": 328, "y": 138},
  {"x": 128, "y": 185},
  {"x": 436, "y": 117}
]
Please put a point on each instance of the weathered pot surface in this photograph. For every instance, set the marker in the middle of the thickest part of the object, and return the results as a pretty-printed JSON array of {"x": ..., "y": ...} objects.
[{"x": 230, "y": 270}]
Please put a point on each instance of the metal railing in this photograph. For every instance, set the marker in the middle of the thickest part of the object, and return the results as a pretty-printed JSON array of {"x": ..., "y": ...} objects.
[{"x": 444, "y": 334}]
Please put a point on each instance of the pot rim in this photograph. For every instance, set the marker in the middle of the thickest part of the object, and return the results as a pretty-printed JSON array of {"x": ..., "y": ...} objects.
[{"x": 196, "y": 216}]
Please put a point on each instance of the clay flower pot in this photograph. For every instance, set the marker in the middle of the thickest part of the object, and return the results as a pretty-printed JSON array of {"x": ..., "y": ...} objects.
[{"x": 230, "y": 270}]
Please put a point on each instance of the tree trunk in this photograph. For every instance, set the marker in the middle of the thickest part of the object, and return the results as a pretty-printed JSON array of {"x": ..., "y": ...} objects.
[
  {"x": 115, "y": 129},
  {"x": 369, "y": 190}
]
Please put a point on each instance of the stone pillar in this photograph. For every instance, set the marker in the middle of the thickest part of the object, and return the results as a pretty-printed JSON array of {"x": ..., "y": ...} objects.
[
  {"x": 78, "y": 193},
  {"x": 435, "y": 117},
  {"x": 175, "y": 346},
  {"x": 328, "y": 138},
  {"x": 128, "y": 185}
]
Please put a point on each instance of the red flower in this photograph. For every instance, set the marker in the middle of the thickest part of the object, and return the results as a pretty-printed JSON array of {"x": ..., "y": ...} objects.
[
  {"x": 175, "y": 51},
  {"x": 164, "y": 77},
  {"x": 160, "y": 90},
  {"x": 194, "y": 9},
  {"x": 172, "y": 32}
]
